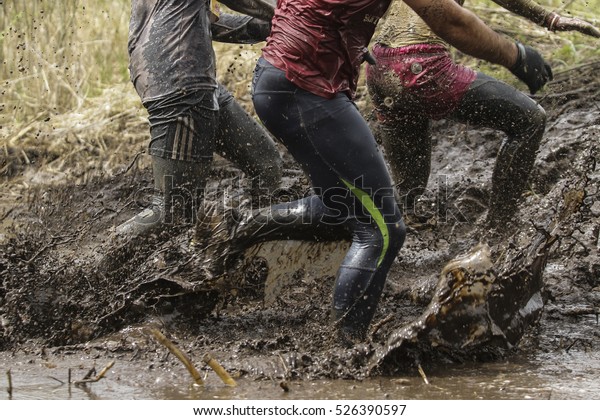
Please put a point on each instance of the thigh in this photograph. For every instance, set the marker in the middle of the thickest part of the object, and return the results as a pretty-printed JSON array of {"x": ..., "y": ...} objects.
[
  {"x": 495, "y": 104},
  {"x": 278, "y": 103},
  {"x": 332, "y": 142}
]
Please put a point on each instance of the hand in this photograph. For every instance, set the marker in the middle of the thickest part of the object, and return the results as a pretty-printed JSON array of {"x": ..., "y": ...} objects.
[
  {"x": 531, "y": 68},
  {"x": 555, "y": 22}
]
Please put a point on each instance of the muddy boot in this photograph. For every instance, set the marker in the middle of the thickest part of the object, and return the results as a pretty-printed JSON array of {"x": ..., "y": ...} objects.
[
  {"x": 178, "y": 185},
  {"x": 349, "y": 329},
  {"x": 222, "y": 235}
]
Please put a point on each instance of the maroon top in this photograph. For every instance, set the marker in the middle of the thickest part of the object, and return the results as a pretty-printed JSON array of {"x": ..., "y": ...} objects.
[{"x": 320, "y": 43}]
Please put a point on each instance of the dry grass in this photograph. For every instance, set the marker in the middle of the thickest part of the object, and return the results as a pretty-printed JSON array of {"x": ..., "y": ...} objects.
[
  {"x": 56, "y": 54},
  {"x": 67, "y": 104},
  {"x": 68, "y": 110}
]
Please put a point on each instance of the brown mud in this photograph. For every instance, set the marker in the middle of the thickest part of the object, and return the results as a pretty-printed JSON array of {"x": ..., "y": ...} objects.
[{"x": 269, "y": 319}]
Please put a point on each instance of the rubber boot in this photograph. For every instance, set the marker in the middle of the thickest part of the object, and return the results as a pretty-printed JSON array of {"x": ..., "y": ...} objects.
[{"x": 178, "y": 187}]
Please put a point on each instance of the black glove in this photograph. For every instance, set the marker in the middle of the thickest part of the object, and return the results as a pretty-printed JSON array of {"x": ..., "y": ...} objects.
[{"x": 531, "y": 68}]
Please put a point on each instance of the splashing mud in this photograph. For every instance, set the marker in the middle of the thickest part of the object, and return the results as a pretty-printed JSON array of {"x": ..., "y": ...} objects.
[{"x": 449, "y": 299}]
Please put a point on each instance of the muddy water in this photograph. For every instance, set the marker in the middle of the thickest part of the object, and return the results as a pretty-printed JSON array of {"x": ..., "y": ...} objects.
[
  {"x": 566, "y": 376},
  {"x": 571, "y": 280},
  {"x": 562, "y": 375}
]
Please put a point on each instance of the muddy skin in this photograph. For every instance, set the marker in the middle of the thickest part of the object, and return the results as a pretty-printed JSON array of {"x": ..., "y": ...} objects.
[{"x": 269, "y": 318}]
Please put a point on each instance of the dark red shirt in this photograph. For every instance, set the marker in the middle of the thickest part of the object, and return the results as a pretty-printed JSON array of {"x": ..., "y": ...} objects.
[{"x": 320, "y": 43}]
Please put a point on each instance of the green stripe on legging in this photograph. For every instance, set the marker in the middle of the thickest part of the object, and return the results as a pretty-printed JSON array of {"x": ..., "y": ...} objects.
[{"x": 368, "y": 204}]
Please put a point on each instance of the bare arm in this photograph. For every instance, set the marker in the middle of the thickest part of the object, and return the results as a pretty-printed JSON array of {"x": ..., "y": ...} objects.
[
  {"x": 465, "y": 31},
  {"x": 550, "y": 20},
  {"x": 468, "y": 33},
  {"x": 527, "y": 8}
]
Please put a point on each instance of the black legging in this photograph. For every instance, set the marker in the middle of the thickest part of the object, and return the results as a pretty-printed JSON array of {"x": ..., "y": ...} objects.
[
  {"x": 335, "y": 147},
  {"x": 406, "y": 137},
  {"x": 494, "y": 104}
]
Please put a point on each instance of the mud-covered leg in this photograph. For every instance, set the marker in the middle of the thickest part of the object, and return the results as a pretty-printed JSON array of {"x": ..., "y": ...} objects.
[
  {"x": 510, "y": 177},
  {"x": 181, "y": 148},
  {"x": 222, "y": 235},
  {"x": 404, "y": 133},
  {"x": 178, "y": 192},
  {"x": 355, "y": 302},
  {"x": 332, "y": 142},
  {"x": 494, "y": 104},
  {"x": 248, "y": 145},
  {"x": 406, "y": 140},
  {"x": 178, "y": 185}
]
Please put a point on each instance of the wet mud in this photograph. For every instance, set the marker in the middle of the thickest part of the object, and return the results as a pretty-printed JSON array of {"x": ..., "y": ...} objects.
[{"x": 268, "y": 318}]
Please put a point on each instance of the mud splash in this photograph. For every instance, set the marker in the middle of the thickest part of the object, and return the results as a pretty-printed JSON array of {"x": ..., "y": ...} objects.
[{"x": 269, "y": 321}]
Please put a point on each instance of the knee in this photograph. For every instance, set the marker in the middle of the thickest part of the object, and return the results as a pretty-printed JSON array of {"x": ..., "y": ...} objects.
[
  {"x": 396, "y": 234},
  {"x": 534, "y": 122},
  {"x": 538, "y": 118},
  {"x": 393, "y": 229},
  {"x": 526, "y": 129},
  {"x": 393, "y": 233},
  {"x": 379, "y": 241}
]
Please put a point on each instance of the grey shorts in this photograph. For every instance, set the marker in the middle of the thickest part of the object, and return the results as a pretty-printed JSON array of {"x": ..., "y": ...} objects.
[{"x": 184, "y": 128}]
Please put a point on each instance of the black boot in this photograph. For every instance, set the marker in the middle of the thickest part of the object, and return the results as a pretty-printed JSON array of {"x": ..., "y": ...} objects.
[{"x": 178, "y": 186}]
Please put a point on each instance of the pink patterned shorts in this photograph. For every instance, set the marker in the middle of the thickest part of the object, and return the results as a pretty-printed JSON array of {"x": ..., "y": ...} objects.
[{"x": 420, "y": 78}]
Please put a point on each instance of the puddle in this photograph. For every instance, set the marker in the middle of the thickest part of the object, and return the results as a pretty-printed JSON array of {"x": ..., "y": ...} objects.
[{"x": 567, "y": 376}]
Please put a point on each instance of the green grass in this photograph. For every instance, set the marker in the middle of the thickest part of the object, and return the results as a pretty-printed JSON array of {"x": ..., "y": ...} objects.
[{"x": 562, "y": 49}]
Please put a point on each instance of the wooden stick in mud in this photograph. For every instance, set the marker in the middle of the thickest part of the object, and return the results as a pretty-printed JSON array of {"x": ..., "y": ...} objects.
[
  {"x": 89, "y": 374},
  {"x": 89, "y": 379},
  {"x": 219, "y": 370},
  {"x": 178, "y": 353},
  {"x": 10, "y": 386},
  {"x": 422, "y": 373}
]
